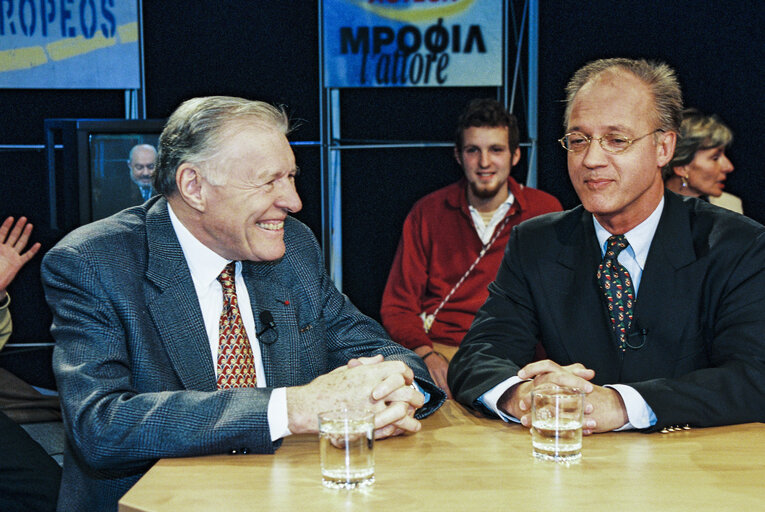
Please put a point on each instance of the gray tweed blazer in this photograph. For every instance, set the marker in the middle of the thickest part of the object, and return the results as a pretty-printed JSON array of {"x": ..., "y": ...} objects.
[{"x": 132, "y": 360}]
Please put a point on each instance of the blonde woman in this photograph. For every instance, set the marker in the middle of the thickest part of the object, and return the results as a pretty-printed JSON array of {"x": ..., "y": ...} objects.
[{"x": 700, "y": 166}]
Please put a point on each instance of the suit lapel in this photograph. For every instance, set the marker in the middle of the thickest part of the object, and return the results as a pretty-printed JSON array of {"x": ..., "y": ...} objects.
[
  {"x": 174, "y": 307},
  {"x": 662, "y": 284},
  {"x": 583, "y": 330},
  {"x": 267, "y": 293}
]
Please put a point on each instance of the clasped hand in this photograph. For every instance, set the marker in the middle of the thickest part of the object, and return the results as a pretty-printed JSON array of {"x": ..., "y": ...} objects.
[
  {"x": 367, "y": 383},
  {"x": 603, "y": 409}
]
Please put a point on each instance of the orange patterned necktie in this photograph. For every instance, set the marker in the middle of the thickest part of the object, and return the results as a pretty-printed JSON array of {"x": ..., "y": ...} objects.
[{"x": 236, "y": 364}]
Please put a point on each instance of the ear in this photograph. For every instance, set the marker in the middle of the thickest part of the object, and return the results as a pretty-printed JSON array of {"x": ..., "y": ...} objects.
[
  {"x": 680, "y": 171},
  {"x": 516, "y": 157},
  {"x": 190, "y": 186},
  {"x": 665, "y": 149},
  {"x": 458, "y": 155}
]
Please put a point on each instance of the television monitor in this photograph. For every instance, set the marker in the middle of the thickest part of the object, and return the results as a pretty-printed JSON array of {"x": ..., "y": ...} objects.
[{"x": 90, "y": 172}]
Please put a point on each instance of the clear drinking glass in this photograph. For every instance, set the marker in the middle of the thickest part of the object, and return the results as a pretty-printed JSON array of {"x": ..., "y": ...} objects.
[
  {"x": 346, "y": 443},
  {"x": 556, "y": 423}
]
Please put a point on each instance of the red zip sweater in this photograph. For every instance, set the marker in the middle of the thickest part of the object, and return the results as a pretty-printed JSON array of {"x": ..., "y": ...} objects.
[{"x": 438, "y": 244}]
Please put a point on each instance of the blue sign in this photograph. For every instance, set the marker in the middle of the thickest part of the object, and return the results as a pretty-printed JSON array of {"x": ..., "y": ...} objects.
[
  {"x": 69, "y": 44},
  {"x": 412, "y": 43}
]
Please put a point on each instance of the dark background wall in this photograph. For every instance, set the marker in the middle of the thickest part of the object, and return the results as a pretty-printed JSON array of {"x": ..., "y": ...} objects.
[
  {"x": 269, "y": 52},
  {"x": 716, "y": 47}
]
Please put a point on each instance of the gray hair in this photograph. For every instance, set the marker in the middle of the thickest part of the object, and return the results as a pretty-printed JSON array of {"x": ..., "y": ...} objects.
[
  {"x": 195, "y": 132},
  {"x": 659, "y": 77},
  {"x": 697, "y": 132}
]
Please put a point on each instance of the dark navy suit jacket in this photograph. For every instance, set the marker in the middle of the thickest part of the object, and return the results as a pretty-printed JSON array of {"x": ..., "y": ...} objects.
[{"x": 699, "y": 315}]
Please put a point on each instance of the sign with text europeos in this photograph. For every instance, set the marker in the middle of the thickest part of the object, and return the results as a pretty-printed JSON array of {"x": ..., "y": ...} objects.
[
  {"x": 412, "y": 43},
  {"x": 69, "y": 44}
]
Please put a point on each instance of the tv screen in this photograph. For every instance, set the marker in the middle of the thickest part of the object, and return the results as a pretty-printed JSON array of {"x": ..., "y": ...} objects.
[
  {"x": 97, "y": 167},
  {"x": 120, "y": 171}
]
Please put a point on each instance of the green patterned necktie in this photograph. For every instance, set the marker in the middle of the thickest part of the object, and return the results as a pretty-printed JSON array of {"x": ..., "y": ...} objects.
[{"x": 616, "y": 284}]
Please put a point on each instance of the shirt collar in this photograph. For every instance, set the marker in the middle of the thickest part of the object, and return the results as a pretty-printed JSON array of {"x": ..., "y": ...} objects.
[
  {"x": 205, "y": 264},
  {"x": 639, "y": 237},
  {"x": 506, "y": 204}
]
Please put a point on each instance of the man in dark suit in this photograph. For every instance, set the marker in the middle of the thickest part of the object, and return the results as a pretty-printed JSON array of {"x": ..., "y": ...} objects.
[
  {"x": 118, "y": 190},
  {"x": 153, "y": 356},
  {"x": 667, "y": 328}
]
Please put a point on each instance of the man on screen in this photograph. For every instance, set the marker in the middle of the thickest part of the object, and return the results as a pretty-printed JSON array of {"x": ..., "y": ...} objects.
[
  {"x": 652, "y": 304},
  {"x": 114, "y": 191},
  {"x": 203, "y": 321},
  {"x": 141, "y": 163}
]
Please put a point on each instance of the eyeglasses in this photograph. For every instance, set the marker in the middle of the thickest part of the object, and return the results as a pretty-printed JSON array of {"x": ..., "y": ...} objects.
[{"x": 576, "y": 142}]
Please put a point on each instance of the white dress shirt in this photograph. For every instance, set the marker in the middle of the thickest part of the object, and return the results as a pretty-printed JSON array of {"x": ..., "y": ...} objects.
[
  {"x": 485, "y": 231},
  {"x": 633, "y": 258},
  {"x": 205, "y": 266}
]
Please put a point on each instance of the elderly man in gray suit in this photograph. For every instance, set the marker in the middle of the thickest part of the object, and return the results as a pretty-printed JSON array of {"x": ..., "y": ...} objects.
[{"x": 203, "y": 322}]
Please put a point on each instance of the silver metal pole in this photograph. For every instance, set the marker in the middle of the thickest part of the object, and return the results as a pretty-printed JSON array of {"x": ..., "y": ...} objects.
[
  {"x": 329, "y": 121},
  {"x": 518, "y": 47},
  {"x": 531, "y": 179},
  {"x": 335, "y": 198}
]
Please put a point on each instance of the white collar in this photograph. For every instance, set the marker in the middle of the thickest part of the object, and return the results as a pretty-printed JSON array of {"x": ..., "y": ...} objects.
[
  {"x": 639, "y": 237},
  {"x": 506, "y": 204},
  {"x": 205, "y": 264}
]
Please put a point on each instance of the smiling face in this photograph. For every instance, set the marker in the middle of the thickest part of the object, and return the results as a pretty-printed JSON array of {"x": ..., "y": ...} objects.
[
  {"x": 623, "y": 189},
  {"x": 246, "y": 193},
  {"x": 707, "y": 172},
  {"x": 486, "y": 160}
]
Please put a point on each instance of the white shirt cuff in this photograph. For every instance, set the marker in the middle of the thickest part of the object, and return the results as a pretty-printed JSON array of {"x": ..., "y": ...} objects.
[
  {"x": 278, "y": 421},
  {"x": 491, "y": 397},
  {"x": 639, "y": 414}
]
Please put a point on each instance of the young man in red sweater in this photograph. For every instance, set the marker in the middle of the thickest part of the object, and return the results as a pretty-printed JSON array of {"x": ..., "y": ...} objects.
[{"x": 454, "y": 238}]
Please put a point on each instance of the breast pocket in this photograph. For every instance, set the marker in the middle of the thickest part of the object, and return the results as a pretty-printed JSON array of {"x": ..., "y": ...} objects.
[{"x": 313, "y": 347}]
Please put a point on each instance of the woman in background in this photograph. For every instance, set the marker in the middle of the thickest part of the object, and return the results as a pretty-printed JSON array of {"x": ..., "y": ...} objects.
[{"x": 699, "y": 167}]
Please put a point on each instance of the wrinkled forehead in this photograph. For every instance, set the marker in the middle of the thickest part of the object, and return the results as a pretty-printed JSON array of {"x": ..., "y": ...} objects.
[
  {"x": 233, "y": 135},
  {"x": 614, "y": 78},
  {"x": 252, "y": 150},
  {"x": 613, "y": 98}
]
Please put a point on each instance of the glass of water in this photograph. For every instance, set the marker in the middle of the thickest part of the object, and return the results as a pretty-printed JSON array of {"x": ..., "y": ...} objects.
[
  {"x": 346, "y": 443},
  {"x": 556, "y": 423}
]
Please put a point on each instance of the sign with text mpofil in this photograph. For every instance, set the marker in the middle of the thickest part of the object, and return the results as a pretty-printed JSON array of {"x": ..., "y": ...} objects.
[
  {"x": 412, "y": 43},
  {"x": 69, "y": 44}
]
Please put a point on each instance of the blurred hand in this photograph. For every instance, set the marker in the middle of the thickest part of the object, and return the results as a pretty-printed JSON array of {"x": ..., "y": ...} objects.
[
  {"x": 13, "y": 239},
  {"x": 369, "y": 383},
  {"x": 604, "y": 409},
  {"x": 437, "y": 367}
]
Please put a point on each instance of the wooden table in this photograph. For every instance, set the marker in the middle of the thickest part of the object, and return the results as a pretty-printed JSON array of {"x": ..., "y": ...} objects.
[{"x": 460, "y": 462}]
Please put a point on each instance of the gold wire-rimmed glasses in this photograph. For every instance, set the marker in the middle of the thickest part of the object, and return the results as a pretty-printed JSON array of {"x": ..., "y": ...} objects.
[{"x": 576, "y": 142}]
